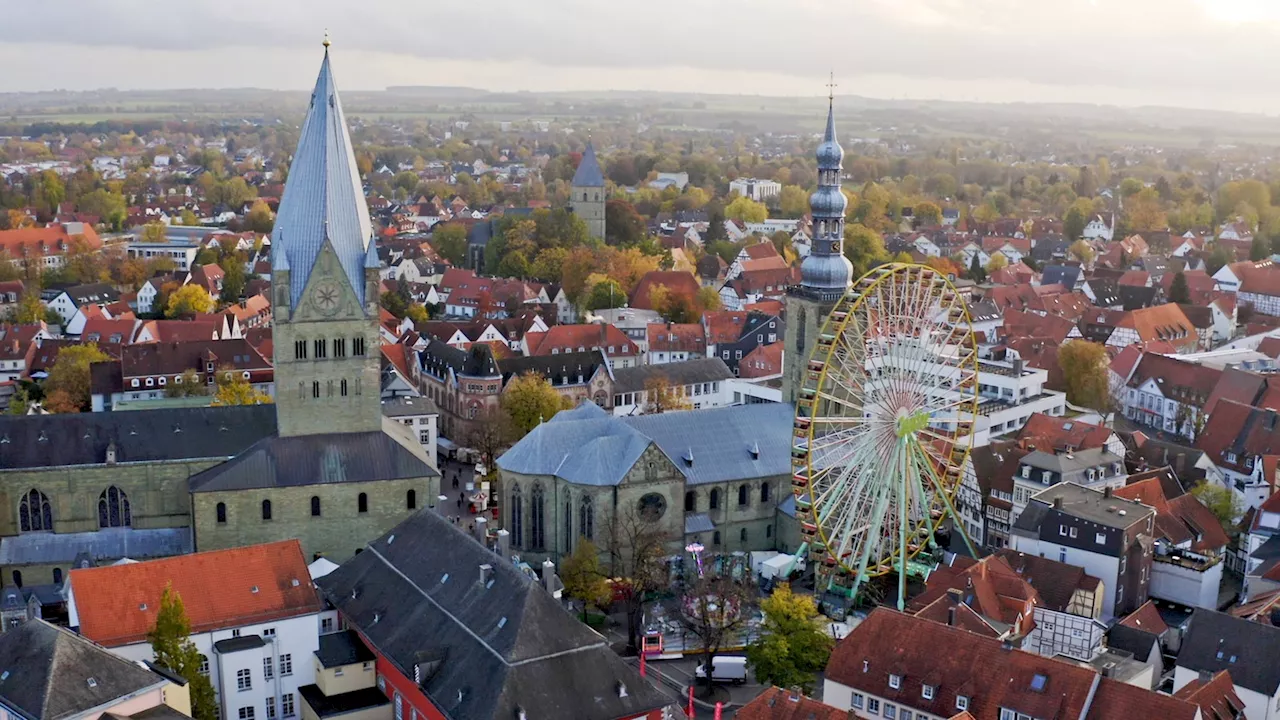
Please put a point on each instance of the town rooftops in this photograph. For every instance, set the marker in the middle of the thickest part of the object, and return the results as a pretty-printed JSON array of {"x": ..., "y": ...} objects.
[
  {"x": 1055, "y": 581},
  {"x": 1216, "y": 641},
  {"x": 778, "y": 704},
  {"x": 676, "y": 374},
  {"x": 38, "y": 441},
  {"x": 342, "y": 648},
  {"x": 481, "y": 638},
  {"x": 563, "y": 369},
  {"x": 1068, "y": 463},
  {"x": 291, "y": 461},
  {"x": 117, "y": 604},
  {"x": 1216, "y": 698},
  {"x": 49, "y": 240},
  {"x": 1082, "y": 502},
  {"x": 51, "y": 673},
  {"x": 588, "y": 173}
]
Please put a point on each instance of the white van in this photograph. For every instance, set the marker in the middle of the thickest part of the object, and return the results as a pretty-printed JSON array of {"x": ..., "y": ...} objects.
[{"x": 726, "y": 668}]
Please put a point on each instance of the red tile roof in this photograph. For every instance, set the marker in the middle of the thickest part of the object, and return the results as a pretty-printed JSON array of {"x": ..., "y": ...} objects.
[
  {"x": 724, "y": 326},
  {"x": 569, "y": 338},
  {"x": 1136, "y": 278},
  {"x": 764, "y": 361},
  {"x": 1049, "y": 433},
  {"x": 778, "y": 704},
  {"x": 1161, "y": 322},
  {"x": 51, "y": 240},
  {"x": 99, "y": 328},
  {"x": 1121, "y": 701},
  {"x": 677, "y": 337},
  {"x": 1019, "y": 324},
  {"x": 761, "y": 250},
  {"x": 1178, "y": 380},
  {"x": 1200, "y": 285},
  {"x": 678, "y": 282},
  {"x": 1056, "y": 581},
  {"x": 1217, "y": 698},
  {"x": 1262, "y": 282},
  {"x": 118, "y": 604},
  {"x": 990, "y": 587},
  {"x": 1180, "y": 519},
  {"x": 1147, "y": 618}
]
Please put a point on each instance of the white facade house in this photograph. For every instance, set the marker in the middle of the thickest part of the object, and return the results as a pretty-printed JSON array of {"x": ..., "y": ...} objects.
[
  {"x": 1100, "y": 228},
  {"x": 1010, "y": 393},
  {"x": 925, "y": 246},
  {"x": 183, "y": 255},
  {"x": 1216, "y": 641},
  {"x": 756, "y": 189}
]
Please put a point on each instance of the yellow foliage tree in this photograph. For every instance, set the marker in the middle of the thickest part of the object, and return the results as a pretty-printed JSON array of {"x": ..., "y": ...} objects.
[
  {"x": 529, "y": 400},
  {"x": 188, "y": 300},
  {"x": 67, "y": 387},
  {"x": 234, "y": 389}
]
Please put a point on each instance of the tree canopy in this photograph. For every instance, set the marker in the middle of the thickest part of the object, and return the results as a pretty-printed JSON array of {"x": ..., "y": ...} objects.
[
  {"x": 529, "y": 400},
  {"x": 793, "y": 645},
  {"x": 67, "y": 387},
  {"x": 1084, "y": 368},
  {"x": 173, "y": 649}
]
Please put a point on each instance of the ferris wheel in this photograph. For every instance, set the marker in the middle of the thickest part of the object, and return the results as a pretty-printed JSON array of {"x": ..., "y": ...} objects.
[{"x": 885, "y": 418}]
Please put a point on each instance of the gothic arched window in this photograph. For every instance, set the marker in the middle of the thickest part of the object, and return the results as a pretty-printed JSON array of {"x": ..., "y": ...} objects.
[
  {"x": 517, "y": 517},
  {"x": 691, "y": 501},
  {"x": 568, "y": 525},
  {"x": 35, "y": 514},
  {"x": 221, "y": 513},
  {"x": 362, "y": 503},
  {"x": 537, "y": 519},
  {"x": 587, "y": 518},
  {"x": 113, "y": 509},
  {"x": 715, "y": 498},
  {"x": 410, "y": 497},
  {"x": 764, "y": 492},
  {"x": 315, "y": 506},
  {"x": 266, "y": 509},
  {"x": 744, "y": 495}
]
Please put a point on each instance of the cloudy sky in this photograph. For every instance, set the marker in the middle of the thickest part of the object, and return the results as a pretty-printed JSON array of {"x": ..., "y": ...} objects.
[{"x": 1191, "y": 53}]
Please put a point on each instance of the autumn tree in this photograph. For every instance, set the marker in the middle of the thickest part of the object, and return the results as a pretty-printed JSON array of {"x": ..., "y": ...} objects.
[
  {"x": 490, "y": 435},
  {"x": 186, "y": 385},
  {"x": 260, "y": 219},
  {"x": 864, "y": 247},
  {"x": 793, "y": 645},
  {"x": 30, "y": 309},
  {"x": 708, "y": 300},
  {"x": 793, "y": 202},
  {"x": 997, "y": 262},
  {"x": 1179, "y": 292},
  {"x": 529, "y": 400},
  {"x": 661, "y": 396},
  {"x": 627, "y": 266},
  {"x": 188, "y": 300},
  {"x": 1145, "y": 211},
  {"x": 155, "y": 232},
  {"x": 233, "y": 388},
  {"x": 110, "y": 207},
  {"x": 173, "y": 649},
  {"x": 69, "y": 377},
  {"x": 746, "y": 210},
  {"x": 1218, "y": 256},
  {"x": 584, "y": 578},
  {"x": 1081, "y": 250},
  {"x": 1084, "y": 369},
  {"x": 450, "y": 241},
  {"x": 623, "y": 225},
  {"x": 717, "y": 608},
  {"x": 637, "y": 548},
  {"x": 927, "y": 214}
]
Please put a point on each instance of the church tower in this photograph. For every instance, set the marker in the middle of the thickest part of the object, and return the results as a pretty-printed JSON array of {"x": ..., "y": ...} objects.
[
  {"x": 586, "y": 194},
  {"x": 826, "y": 274},
  {"x": 324, "y": 281}
]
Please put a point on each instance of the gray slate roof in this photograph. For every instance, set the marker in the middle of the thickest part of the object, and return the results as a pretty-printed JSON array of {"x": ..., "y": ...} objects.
[
  {"x": 1138, "y": 643},
  {"x": 101, "y": 545},
  {"x": 342, "y": 648},
  {"x": 686, "y": 372},
  {"x": 483, "y": 650},
  {"x": 1065, "y": 274},
  {"x": 314, "y": 460},
  {"x": 36, "y": 441},
  {"x": 1248, "y": 649},
  {"x": 47, "y": 670},
  {"x": 587, "y": 446},
  {"x": 323, "y": 197},
  {"x": 588, "y": 173}
]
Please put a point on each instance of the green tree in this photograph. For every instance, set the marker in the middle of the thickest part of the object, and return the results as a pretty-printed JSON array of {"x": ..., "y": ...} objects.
[
  {"x": 623, "y": 225},
  {"x": 450, "y": 241},
  {"x": 1076, "y": 217},
  {"x": 584, "y": 578},
  {"x": 1178, "y": 290},
  {"x": 1260, "y": 248},
  {"x": 1081, "y": 250},
  {"x": 606, "y": 294},
  {"x": 1086, "y": 183},
  {"x": 514, "y": 265},
  {"x": 746, "y": 210},
  {"x": 530, "y": 400},
  {"x": 107, "y": 205},
  {"x": 1221, "y": 501},
  {"x": 393, "y": 303},
  {"x": 260, "y": 219},
  {"x": 1130, "y": 186},
  {"x": 29, "y": 309},
  {"x": 233, "y": 388},
  {"x": 1084, "y": 369},
  {"x": 793, "y": 202},
  {"x": 793, "y": 645},
  {"x": 233, "y": 278},
  {"x": 864, "y": 247},
  {"x": 1218, "y": 256},
  {"x": 70, "y": 374},
  {"x": 188, "y": 300},
  {"x": 549, "y": 264},
  {"x": 976, "y": 271},
  {"x": 171, "y": 643}
]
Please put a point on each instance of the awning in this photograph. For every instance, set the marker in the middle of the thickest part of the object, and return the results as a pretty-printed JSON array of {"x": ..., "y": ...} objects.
[
  {"x": 445, "y": 443},
  {"x": 697, "y": 523}
]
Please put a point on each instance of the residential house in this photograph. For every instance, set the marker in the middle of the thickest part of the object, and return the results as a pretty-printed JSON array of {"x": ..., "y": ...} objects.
[
  {"x": 1243, "y": 443},
  {"x": 464, "y": 384},
  {"x": 1165, "y": 323},
  {"x": 733, "y": 334},
  {"x": 146, "y": 371},
  {"x": 893, "y": 663},
  {"x": 1230, "y": 276},
  {"x": 763, "y": 362},
  {"x": 17, "y": 345},
  {"x": 1110, "y": 537},
  {"x": 1069, "y": 607},
  {"x": 69, "y": 301},
  {"x": 1215, "y": 695},
  {"x": 251, "y": 312},
  {"x": 1100, "y": 227},
  {"x": 676, "y": 282},
  {"x": 619, "y": 350},
  {"x": 576, "y": 376},
  {"x": 1095, "y": 468},
  {"x": 1169, "y": 394},
  {"x": 181, "y": 254},
  {"x": 778, "y": 704},
  {"x": 760, "y": 279},
  {"x": 1056, "y": 434},
  {"x": 763, "y": 250},
  {"x": 1260, "y": 290},
  {"x": 700, "y": 382},
  {"x": 439, "y": 612},
  {"x": 46, "y": 248},
  {"x": 51, "y": 673},
  {"x": 1190, "y": 544},
  {"x": 1215, "y": 641},
  {"x": 674, "y": 342},
  {"x": 420, "y": 417},
  {"x": 254, "y": 616}
]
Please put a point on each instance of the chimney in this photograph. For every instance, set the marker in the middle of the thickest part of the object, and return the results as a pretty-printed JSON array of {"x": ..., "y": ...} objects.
[
  {"x": 486, "y": 573},
  {"x": 503, "y": 544},
  {"x": 481, "y": 530},
  {"x": 1106, "y": 492},
  {"x": 1205, "y": 676},
  {"x": 951, "y": 616},
  {"x": 1006, "y": 644},
  {"x": 1057, "y": 503},
  {"x": 440, "y": 503}
]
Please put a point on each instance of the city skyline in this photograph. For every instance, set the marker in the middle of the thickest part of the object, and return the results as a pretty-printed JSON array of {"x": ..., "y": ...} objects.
[{"x": 1181, "y": 53}]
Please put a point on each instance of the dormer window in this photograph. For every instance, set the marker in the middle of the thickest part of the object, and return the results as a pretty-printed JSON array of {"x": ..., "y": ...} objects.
[
  {"x": 926, "y": 691},
  {"x": 1026, "y": 471},
  {"x": 895, "y": 681}
]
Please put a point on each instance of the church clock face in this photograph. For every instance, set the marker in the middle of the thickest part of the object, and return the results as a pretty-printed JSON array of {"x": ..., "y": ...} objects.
[{"x": 327, "y": 297}]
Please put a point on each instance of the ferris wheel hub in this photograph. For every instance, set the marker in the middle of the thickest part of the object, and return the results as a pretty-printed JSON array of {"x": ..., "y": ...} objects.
[{"x": 913, "y": 423}]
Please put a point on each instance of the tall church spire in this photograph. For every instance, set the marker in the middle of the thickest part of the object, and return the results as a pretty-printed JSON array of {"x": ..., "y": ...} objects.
[
  {"x": 323, "y": 197},
  {"x": 826, "y": 273}
]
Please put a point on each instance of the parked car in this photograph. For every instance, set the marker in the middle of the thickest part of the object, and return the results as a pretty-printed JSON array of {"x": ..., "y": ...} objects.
[{"x": 726, "y": 668}]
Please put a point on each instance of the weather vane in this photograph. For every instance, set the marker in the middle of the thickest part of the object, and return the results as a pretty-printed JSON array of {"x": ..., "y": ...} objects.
[
  {"x": 326, "y": 37},
  {"x": 831, "y": 86}
]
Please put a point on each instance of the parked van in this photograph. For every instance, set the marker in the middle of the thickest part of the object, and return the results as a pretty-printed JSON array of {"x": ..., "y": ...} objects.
[{"x": 726, "y": 668}]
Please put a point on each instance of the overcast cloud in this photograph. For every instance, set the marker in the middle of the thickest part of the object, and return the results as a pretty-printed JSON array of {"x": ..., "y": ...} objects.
[{"x": 1195, "y": 53}]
